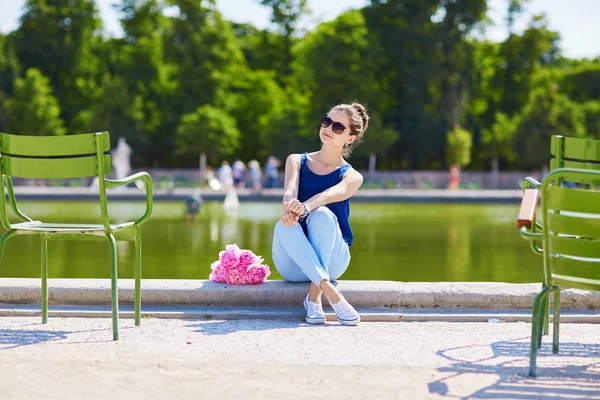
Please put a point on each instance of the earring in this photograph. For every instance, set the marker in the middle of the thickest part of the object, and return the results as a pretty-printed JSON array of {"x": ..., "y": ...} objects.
[{"x": 346, "y": 145}]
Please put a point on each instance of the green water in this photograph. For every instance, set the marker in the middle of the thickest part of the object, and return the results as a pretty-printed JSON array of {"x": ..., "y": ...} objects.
[{"x": 398, "y": 242}]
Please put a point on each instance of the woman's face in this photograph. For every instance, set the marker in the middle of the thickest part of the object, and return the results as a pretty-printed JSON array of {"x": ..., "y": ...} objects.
[{"x": 327, "y": 134}]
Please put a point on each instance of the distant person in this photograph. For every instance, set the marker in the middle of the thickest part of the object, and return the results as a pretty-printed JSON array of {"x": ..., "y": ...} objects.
[
  {"x": 226, "y": 175},
  {"x": 255, "y": 175},
  {"x": 211, "y": 180},
  {"x": 272, "y": 171},
  {"x": 311, "y": 241},
  {"x": 121, "y": 158},
  {"x": 238, "y": 169}
]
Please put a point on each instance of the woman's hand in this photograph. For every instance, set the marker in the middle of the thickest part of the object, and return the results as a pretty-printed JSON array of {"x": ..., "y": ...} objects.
[
  {"x": 289, "y": 219},
  {"x": 294, "y": 206}
]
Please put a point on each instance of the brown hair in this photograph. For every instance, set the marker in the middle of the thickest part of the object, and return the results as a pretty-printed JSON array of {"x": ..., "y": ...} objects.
[{"x": 359, "y": 120}]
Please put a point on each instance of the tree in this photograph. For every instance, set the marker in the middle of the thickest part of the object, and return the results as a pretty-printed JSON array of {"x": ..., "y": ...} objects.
[
  {"x": 120, "y": 112},
  {"x": 202, "y": 45},
  {"x": 581, "y": 82},
  {"x": 9, "y": 65},
  {"x": 33, "y": 110},
  {"x": 207, "y": 130},
  {"x": 547, "y": 112},
  {"x": 59, "y": 37},
  {"x": 498, "y": 141},
  {"x": 286, "y": 14},
  {"x": 592, "y": 118},
  {"x": 256, "y": 103},
  {"x": 520, "y": 57},
  {"x": 9, "y": 71},
  {"x": 377, "y": 141},
  {"x": 336, "y": 64}
]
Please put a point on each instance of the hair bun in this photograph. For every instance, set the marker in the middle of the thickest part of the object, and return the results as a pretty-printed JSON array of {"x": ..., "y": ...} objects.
[{"x": 363, "y": 114}]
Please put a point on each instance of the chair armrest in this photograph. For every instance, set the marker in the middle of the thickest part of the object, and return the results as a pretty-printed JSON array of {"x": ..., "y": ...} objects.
[
  {"x": 132, "y": 178},
  {"x": 530, "y": 182},
  {"x": 529, "y": 203}
]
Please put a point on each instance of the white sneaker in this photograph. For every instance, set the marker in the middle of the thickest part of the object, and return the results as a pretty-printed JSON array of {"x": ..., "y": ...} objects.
[
  {"x": 314, "y": 312},
  {"x": 345, "y": 313}
]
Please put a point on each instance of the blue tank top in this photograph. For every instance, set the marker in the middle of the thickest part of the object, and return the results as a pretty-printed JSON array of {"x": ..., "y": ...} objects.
[{"x": 311, "y": 184}]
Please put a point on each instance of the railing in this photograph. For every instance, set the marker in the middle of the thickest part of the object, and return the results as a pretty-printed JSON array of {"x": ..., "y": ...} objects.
[{"x": 171, "y": 178}]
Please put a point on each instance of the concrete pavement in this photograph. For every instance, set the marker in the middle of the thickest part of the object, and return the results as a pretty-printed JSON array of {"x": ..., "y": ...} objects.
[{"x": 74, "y": 358}]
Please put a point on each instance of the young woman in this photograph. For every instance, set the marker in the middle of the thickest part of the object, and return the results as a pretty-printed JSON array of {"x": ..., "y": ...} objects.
[{"x": 312, "y": 239}]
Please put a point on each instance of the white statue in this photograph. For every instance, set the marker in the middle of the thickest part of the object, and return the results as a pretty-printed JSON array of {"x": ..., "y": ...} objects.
[{"x": 121, "y": 158}]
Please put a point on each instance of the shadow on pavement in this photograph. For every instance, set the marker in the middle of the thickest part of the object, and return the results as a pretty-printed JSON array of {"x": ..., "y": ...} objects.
[
  {"x": 500, "y": 375},
  {"x": 230, "y": 326},
  {"x": 11, "y": 338}
]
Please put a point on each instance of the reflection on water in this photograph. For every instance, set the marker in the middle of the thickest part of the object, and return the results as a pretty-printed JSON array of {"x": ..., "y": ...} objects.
[{"x": 392, "y": 242}]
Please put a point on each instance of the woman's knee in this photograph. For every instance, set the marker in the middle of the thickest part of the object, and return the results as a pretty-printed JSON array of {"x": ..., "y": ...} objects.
[
  {"x": 321, "y": 216},
  {"x": 281, "y": 229}
]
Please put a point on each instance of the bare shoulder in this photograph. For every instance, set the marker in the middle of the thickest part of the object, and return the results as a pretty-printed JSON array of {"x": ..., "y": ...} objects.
[
  {"x": 293, "y": 160},
  {"x": 353, "y": 176}
]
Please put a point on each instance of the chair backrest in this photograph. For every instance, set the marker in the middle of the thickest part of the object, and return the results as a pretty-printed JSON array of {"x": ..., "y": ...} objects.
[
  {"x": 570, "y": 152},
  {"x": 571, "y": 228},
  {"x": 54, "y": 157}
]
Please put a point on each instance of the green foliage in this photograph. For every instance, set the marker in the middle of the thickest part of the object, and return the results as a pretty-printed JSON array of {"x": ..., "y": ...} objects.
[
  {"x": 181, "y": 67},
  {"x": 497, "y": 140},
  {"x": 378, "y": 139},
  {"x": 335, "y": 64},
  {"x": 285, "y": 14},
  {"x": 9, "y": 65},
  {"x": 58, "y": 37},
  {"x": 208, "y": 58},
  {"x": 207, "y": 130},
  {"x": 592, "y": 118},
  {"x": 256, "y": 103},
  {"x": 547, "y": 112},
  {"x": 459, "y": 146},
  {"x": 582, "y": 81},
  {"x": 33, "y": 110}
]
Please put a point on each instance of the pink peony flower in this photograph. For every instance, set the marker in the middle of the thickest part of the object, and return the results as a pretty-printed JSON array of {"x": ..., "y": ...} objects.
[
  {"x": 246, "y": 258},
  {"x": 236, "y": 277},
  {"x": 230, "y": 256},
  {"x": 219, "y": 272},
  {"x": 237, "y": 266},
  {"x": 257, "y": 273}
]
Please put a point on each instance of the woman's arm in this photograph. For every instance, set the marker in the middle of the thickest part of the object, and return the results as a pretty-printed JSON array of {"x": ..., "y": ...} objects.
[
  {"x": 350, "y": 183},
  {"x": 292, "y": 177}
]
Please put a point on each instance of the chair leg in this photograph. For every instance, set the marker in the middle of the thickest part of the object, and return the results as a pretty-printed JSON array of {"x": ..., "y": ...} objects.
[
  {"x": 3, "y": 241},
  {"x": 556, "y": 321},
  {"x": 44, "y": 274},
  {"x": 138, "y": 276},
  {"x": 546, "y": 316},
  {"x": 536, "y": 328},
  {"x": 113, "y": 285}
]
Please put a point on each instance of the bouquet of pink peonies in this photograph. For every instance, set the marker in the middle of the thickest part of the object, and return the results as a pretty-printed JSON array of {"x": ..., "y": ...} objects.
[{"x": 236, "y": 266}]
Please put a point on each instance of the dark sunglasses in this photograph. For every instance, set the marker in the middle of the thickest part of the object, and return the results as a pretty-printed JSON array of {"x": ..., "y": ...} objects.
[{"x": 337, "y": 127}]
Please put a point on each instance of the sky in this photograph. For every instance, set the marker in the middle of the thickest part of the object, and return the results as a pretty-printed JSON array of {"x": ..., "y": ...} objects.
[{"x": 574, "y": 20}]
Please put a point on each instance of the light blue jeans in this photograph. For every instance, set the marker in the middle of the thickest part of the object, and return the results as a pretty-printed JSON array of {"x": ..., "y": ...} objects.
[{"x": 323, "y": 255}]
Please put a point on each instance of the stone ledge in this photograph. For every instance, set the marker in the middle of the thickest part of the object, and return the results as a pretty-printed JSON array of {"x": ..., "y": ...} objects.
[{"x": 379, "y": 294}]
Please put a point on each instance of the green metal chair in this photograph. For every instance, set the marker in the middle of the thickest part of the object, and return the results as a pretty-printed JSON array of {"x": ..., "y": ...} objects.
[
  {"x": 62, "y": 157},
  {"x": 570, "y": 237},
  {"x": 567, "y": 153}
]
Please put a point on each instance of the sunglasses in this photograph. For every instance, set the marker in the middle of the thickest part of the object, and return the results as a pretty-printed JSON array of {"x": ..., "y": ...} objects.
[{"x": 337, "y": 127}]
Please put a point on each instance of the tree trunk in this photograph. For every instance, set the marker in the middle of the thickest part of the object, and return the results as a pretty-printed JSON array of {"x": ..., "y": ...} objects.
[
  {"x": 372, "y": 162},
  {"x": 202, "y": 165},
  {"x": 495, "y": 173}
]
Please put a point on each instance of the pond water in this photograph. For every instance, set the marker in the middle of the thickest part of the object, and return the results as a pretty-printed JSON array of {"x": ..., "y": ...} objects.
[{"x": 400, "y": 242}]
